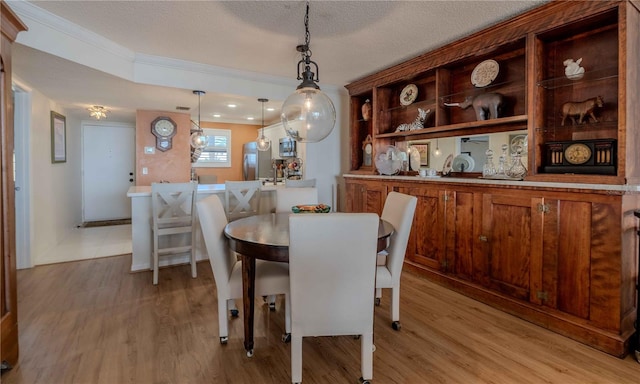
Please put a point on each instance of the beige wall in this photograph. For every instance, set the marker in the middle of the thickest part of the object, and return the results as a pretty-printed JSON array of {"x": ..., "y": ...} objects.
[
  {"x": 174, "y": 165},
  {"x": 240, "y": 134}
]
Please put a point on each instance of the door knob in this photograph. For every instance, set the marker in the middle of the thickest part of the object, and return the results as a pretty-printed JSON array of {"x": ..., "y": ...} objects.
[{"x": 17, "y": 188}]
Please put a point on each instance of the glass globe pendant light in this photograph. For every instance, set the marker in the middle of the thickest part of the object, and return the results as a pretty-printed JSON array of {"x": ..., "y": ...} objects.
[
  {"x": 308, "y": 115},
  {"x": 198, "y": 138},
  {"x": 263, "y": 143}
]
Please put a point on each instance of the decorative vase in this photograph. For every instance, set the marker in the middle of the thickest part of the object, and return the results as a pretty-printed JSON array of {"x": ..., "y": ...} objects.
[{"x": 366, "y": 110}]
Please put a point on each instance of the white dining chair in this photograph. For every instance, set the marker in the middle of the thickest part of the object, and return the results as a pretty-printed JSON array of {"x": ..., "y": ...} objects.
[
  {"x": 242, "y": 198},
  {"x": 272, "y": 278},
  {"x": 398, "y": 210},
  {"x": 173, "y": 216},
  {"x": 303, "y": 183},
  {"x": 288, "y": 197},
  {"x": 332, "y": 263}
]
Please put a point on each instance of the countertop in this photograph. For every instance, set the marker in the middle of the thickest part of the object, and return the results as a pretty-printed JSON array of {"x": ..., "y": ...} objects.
[
  {"x": 145, "y": 190},
  {"x": 533, "y": 184}
]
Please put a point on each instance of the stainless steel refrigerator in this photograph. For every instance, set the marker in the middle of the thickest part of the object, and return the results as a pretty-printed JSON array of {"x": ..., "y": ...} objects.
[{"x": 256, "y": 164}]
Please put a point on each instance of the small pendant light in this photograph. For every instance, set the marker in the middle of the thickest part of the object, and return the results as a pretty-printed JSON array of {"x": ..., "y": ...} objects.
[
  {"x": 263, "y": 143},
  {"x": 198, "y": 138}
]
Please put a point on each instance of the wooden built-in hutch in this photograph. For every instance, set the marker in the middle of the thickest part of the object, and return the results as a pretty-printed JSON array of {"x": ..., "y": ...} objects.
[{"x": 560, "y": 247}]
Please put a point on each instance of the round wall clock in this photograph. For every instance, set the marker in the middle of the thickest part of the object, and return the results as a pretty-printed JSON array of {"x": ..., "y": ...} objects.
[
  {"x": 163, "y": 128},
  {"x": 577, "y": 153}
]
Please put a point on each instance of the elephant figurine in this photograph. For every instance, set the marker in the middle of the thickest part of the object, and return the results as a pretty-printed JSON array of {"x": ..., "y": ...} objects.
[{"x": 486, "y": 105}]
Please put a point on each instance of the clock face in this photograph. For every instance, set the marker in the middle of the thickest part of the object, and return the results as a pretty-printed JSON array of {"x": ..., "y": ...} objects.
[
  {"x": 577, "y": 153},
  {"x": 164, "y": 127},
  {"x": 368, "y": 149}
]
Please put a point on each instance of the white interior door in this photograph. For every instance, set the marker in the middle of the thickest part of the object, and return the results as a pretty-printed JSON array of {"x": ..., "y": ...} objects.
[{"x": 108, "y": 158}]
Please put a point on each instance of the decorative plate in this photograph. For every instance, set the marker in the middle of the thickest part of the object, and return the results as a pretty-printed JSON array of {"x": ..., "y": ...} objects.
[
  {"x": 463, "y": 163},
  {"x": 314, "y": 208},
  {"x": 484, "y": 73},
  {"x": 446, "y": 169},
  {"x": 389, "y": 160},
  {"x": 519, "y": 140},
  {"x": 408, "y": 94}
]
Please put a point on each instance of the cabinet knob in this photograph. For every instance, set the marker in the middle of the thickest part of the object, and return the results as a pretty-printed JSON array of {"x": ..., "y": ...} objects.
[{"x": 483, "y": 238}]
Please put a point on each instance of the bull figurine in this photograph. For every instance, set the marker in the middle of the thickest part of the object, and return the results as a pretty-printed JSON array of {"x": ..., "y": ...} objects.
[
  {"x": 581, "y": 109},
  {"x": 486, "y": 105}
]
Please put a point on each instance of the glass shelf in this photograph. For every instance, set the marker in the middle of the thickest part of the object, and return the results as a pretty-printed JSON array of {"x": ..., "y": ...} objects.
[
  {"x": 504, "y": 88},
  {"x": 416, "y": 104},
  {"x": 589, "y": 76}
]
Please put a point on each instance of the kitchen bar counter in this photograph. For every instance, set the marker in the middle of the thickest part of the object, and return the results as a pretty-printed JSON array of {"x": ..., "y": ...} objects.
[{"x": 141, "y": 223}]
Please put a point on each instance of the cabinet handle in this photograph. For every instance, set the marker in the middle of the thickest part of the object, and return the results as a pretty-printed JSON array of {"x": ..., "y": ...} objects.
[
  {"x": 483, "y": 238},
  {"x": 543, "y": 208}
]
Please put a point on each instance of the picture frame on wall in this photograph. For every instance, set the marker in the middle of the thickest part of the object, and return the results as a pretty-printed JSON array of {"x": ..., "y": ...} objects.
[{"x": 58, "y": 138}]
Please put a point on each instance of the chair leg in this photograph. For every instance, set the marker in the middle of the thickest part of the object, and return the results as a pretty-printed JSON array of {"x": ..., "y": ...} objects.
[
  {"x": 395, "y": 303},
  {"x": 367, "y": 356},
  {"x": 233, "y": 308},
  {"x": 395, "y": 307},
  {"x": 287, "y": 313},
  {"x": 194, "y": 271},
  {"x": 223, "y": 322},
  {"x": 296, "y": 359},
  {"x": 155, "y": 263}
]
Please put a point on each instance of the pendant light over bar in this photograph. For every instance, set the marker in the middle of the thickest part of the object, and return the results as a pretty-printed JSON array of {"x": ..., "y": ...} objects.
[
  {"x": 198, "y": 138},
  {"x": 263, "y": 143}
]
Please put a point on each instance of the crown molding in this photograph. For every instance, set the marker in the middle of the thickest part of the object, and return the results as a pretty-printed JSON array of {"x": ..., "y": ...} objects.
[{"x": 32, "y": 13}]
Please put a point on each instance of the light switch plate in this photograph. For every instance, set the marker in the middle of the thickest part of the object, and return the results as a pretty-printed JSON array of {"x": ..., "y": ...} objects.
[{"x": 149, "y": 150}]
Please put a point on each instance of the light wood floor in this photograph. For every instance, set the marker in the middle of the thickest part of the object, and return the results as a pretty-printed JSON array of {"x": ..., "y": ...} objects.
[{"x": 94, "y": 322}]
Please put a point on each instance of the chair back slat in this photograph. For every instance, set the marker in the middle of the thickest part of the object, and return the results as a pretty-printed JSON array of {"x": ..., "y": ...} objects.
[{"x": 242, "y": 198}]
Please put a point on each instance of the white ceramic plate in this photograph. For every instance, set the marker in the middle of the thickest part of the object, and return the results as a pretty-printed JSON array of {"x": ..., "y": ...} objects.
[
  {"x": 484, "y": 73},
  {"x": 446, "y": 169},
  {"x": 408, "y": 94},
  {"x": 463, "y": 163},
  {"x": 414, "y": 159}
]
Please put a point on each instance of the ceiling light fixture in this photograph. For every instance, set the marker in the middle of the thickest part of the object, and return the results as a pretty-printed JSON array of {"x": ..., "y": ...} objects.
[
  {"x": 308, "y": 115},
  {"x": 198, "y": 138},
  {"x": 98, "y": 112},
  {"x": 263, "y": 143}
]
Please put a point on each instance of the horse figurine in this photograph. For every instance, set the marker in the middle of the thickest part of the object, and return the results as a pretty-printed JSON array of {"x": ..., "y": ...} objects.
[
  {"x": 581, "y": 110},
  {"x": 418, "y": 123}
]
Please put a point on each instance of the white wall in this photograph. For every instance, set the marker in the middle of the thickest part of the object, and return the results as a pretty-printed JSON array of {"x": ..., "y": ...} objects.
[{"x": 55, "y": 188}]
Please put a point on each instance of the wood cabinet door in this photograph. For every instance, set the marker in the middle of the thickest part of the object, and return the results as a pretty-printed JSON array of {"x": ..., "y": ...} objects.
[
  {"x": 581, "y": 270},
  {"x": 426, "y": 243},
  {"x": 511, "y": 233},
  {"x": 365, "y": 196}
]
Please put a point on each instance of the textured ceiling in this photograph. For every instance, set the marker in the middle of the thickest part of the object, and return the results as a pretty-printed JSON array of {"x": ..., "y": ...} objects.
[{"x": 349, "y": 39}]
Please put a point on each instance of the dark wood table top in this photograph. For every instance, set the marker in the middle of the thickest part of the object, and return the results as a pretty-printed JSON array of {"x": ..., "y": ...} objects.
[{"x": 267, "y": 236}]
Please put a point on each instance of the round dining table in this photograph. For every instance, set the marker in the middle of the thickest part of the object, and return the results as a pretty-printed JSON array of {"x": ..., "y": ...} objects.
[{"x": 266, "y": 237}]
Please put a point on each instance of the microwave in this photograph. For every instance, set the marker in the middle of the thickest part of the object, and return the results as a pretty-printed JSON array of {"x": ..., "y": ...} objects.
[{"x": 287, "y": 147}]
